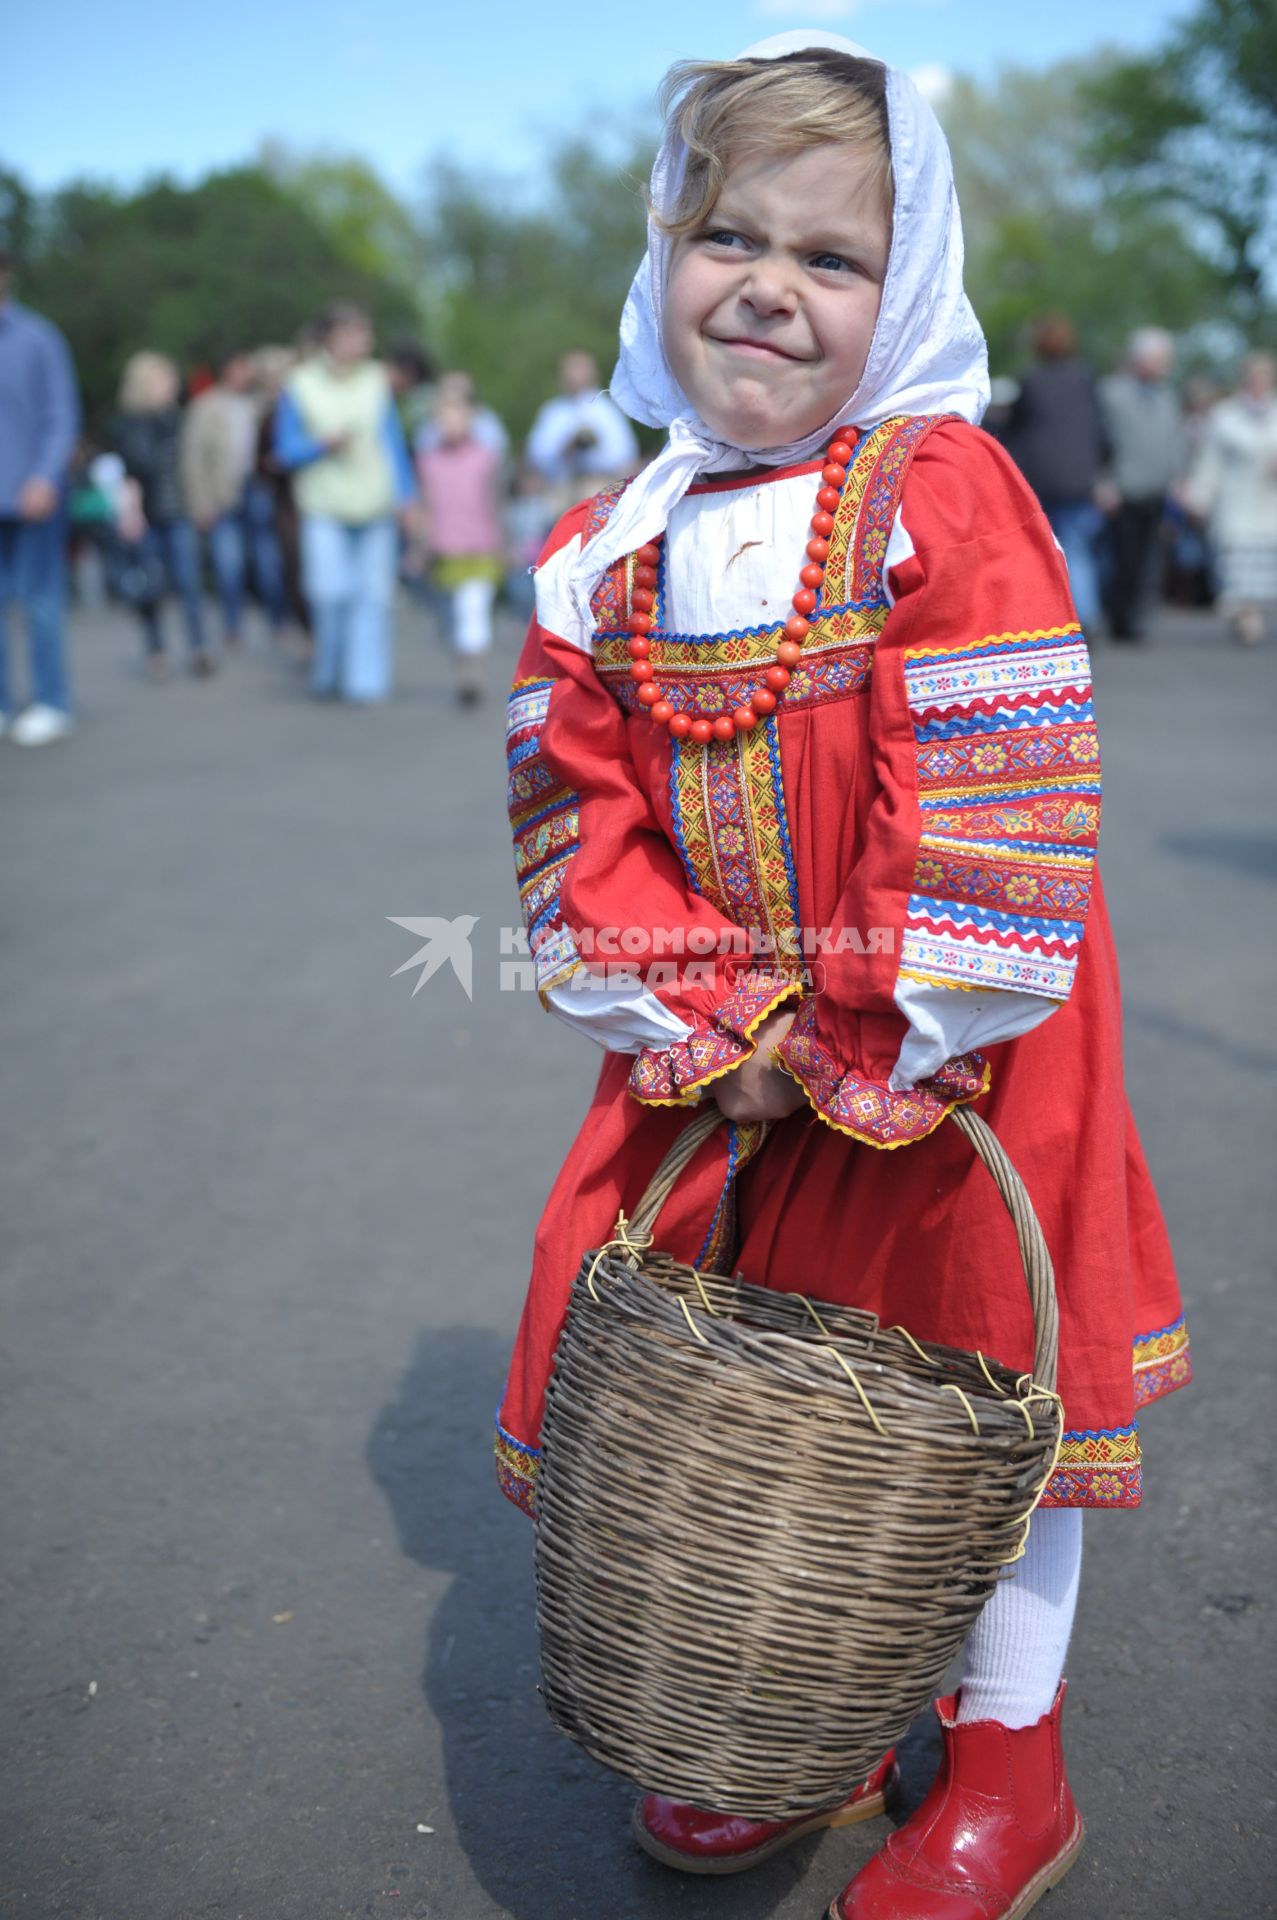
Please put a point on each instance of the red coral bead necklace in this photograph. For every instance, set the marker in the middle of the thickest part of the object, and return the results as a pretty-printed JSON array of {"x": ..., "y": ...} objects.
[{"x": 789, "y": 649}]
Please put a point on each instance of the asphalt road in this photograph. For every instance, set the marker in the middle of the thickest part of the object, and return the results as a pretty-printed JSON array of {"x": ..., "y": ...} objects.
[{"x": 269, "y": 1650}]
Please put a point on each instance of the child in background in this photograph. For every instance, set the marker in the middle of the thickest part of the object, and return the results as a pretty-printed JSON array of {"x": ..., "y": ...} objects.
[
  {"x": 817, "y": 668},
  {"x": 460, "y": 484},
  {"x": 529, "y": 517}
]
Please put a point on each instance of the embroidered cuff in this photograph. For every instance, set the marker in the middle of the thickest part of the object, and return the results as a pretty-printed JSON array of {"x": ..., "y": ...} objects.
[
  {"x": 674, "y": 1076},
  {"x": 517, "y": 1468},
  {"x": 867, "y": 1110}
]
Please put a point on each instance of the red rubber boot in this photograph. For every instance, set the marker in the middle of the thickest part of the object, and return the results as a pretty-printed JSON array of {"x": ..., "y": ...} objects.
[
  {"x": 997, "y": 1830},
  {"x": 697, "y": 1841}
]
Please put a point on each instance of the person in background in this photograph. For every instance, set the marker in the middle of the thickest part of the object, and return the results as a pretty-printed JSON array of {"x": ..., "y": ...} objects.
[
  {"x": 581, "y": 441},
  {"x": 1055, "y": 435},
  {"x": 218, "y": 447},
  {"x": 1189, "y": 571},
  {"x": 529, "y": 518},
  {"x": 460, "y": 487},
  {"x": 39, "y": 425},
  {"x": 93, "y": 492},
  {"x": 486, "y": 426},
  {"x": 412, "y": 381},
  {"x": 154, "y": 518},
  {"x": 1145, "y": 432},
  {"x": 337, "y": 431},
  {"x": 271, "y": 511},
  {"x": 1232, "y": 485}
]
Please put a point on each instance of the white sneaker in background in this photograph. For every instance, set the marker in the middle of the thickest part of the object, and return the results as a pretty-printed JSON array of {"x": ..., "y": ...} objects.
[{"x": 39, "y": 726}]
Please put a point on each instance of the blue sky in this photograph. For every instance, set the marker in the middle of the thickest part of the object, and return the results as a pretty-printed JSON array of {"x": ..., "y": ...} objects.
[{"x": 131, "y": 87}]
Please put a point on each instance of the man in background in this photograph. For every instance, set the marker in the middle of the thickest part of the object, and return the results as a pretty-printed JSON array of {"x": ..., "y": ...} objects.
[
  {"x": 580, "y": 441},
  {"x": 218, "y": 454},
  {"x": 1145, "y": 430},
  {"x": 39, "y": 423},
  {"x": 1055, "y": 434}
]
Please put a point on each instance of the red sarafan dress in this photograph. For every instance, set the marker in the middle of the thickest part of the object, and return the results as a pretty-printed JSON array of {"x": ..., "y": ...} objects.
[{"x": 903, "y": 853}]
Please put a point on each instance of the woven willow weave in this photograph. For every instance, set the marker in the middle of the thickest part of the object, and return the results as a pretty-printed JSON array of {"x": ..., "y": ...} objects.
[{"x": 765, "y": 1525}]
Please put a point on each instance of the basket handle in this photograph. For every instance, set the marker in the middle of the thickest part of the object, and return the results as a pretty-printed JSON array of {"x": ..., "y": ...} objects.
[
  {"x": 1038, "y": 1271},
  {"x": 661, "y": 1184}
]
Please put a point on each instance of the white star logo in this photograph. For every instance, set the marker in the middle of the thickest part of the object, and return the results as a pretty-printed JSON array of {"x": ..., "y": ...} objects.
[{"x": 446, "y": 941}]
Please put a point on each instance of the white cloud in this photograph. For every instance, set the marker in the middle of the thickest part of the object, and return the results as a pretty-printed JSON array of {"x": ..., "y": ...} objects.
[{"x": 933, "y": 82}]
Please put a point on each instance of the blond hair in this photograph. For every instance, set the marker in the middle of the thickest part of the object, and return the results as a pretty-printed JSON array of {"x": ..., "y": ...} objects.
[
  {"x": 726, "y": 111},
  {"x": 150, "y": 381}
]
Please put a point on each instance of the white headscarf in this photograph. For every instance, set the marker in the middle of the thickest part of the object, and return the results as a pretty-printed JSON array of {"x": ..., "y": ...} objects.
[{"x": 927, "y": 355}]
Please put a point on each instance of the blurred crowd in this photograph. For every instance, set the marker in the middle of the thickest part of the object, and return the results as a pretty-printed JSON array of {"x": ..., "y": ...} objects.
[
  {"x": 1153, "y": 488},
  {"x": 312, "y": 482},
  {"x": 320, "y": 477}
]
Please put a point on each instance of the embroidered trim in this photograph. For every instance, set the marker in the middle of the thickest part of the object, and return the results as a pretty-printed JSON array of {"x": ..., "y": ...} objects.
[
  {"x": 1163, "y": 1362},
  {"x": 1007, "y": 759},
  {"x": 718, "y": 1248},
  {"x": 869, "y": 1112},
  {"x": 676, "y": 1076},
  {"x": 732, "y": 833},
  {"x": 1097, "y": 1469},
  {"x": 1103, "y": 1467},
  {"x": 517, "y": 1468},
  {"x": 610, "y": 600},
  {"x": 894, "y": 445},
  {"x": 704, "y": 676},
  {"x": 545, "y": 820}
]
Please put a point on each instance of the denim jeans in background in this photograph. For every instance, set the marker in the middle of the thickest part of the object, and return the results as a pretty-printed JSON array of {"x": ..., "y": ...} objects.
[
  {"x": 348, "y": 573},
  {"x": 178, "y": 546},
  {"x": 227, "y": 553},
  {"x": 266, "y": 555},
  {"x": 1076, "y": 525},
  {"x": 33, "y": 571}
]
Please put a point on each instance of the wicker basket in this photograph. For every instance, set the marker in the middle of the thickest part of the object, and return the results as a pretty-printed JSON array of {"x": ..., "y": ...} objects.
[{"x": 765, "y": 1525}]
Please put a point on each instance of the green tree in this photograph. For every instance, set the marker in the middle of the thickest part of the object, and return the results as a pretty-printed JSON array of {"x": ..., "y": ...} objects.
[
  {"x": 18, "y": 209},
  {"x": 357, "y": 213},
  {"x": 514, "y": 283},
  {"x": 1044, "y": 229},
  {"x": 1192, "y": 129},
  {"x": 189, "y": 271}
]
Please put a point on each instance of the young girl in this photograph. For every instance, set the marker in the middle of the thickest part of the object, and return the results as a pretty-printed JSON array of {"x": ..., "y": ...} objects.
[
  {"x": 812, "y": 688},
  {"x": 460, "y": 476}
]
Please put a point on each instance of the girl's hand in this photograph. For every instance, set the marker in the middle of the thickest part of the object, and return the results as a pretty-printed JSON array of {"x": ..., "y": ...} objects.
[{"x": 759, "y": 1090}]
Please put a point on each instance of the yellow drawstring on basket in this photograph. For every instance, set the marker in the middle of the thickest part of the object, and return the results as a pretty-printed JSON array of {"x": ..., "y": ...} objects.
[
  {"x": 815, "y": 1316},
  {"x": 845, "y": 1364},
  {"x": 708, "y": 1304},
  {"x": 906, "y": 1335},
  {"x": 865, "y": 1401},
  {"x": 621, "y": 1237},
  {"x": 1001, "y": 1391},
  {"x": 687, "y": 1315},
  {"x": 949, "y": 1387},
  {"x": 1028, "y": 1389}
]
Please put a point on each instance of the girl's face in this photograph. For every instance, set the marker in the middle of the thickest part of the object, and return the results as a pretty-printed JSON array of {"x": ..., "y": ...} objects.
[{"x": 771, "y": 303}]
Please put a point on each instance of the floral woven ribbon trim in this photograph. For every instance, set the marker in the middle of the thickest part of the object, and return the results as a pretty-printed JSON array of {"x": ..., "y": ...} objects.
[
  {"x": 674, "y": 1076},
  {"x": 867, "y": 1110},
  {"x": 517, "y": 1467}
]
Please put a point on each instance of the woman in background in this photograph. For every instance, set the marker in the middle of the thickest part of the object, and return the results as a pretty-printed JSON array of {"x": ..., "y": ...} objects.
[
  {"x": 338, "y": 433},
  {"x": 153, "y": 519},
  {"x": 1233, "y": 486}
]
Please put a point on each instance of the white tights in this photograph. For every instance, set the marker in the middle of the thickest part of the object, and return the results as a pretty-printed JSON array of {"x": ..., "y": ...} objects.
[
  {"x": 1014, "y": 1657},
  {"x": 472, "y": 616}
]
